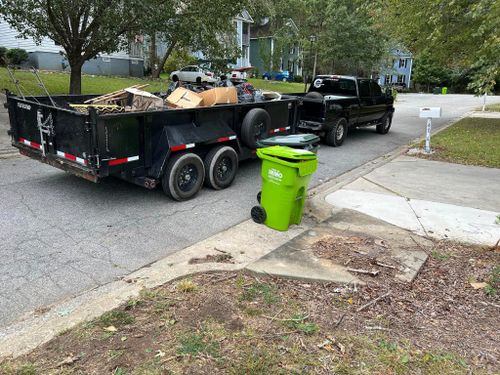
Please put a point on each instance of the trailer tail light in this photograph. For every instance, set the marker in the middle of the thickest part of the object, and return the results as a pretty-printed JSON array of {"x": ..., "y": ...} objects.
[
  {"x": 74, "y": 158},
  {"x": 38, "y": 146},
  {"x": 123, "y": 160},
  {"x": 182, "y": 147}
]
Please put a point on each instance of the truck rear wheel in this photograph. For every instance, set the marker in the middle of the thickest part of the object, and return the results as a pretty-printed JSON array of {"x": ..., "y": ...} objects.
[
  {"x": 336, "y": 135},
  {"x": 385, "y": 125},
  {"x": 255, "y": 126},
  {"x": 221, "y": 165},
  {"x": 183, "y": 177}
]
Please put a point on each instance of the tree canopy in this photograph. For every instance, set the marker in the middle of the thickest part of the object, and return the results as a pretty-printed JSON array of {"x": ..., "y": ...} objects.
[{"x": 83, "y": 28}]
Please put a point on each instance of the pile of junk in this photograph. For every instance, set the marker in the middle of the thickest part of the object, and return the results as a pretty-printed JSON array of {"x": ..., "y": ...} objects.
[{"x": 179, "y": 95}]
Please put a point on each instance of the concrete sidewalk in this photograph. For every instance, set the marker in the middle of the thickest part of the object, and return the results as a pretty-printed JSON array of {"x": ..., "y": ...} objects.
[{"x": 430, "y": 198}]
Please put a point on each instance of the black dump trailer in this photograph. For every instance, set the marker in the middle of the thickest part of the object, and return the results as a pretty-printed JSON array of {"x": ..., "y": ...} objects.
[{"x": 179, "y": 148}]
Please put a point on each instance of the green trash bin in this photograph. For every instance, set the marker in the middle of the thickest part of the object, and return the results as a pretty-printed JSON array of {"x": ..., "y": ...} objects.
[
  {"x": 285, "y": 176},
  {"x": 444, "y": 90},
  {"x": 309, "y": 142}
]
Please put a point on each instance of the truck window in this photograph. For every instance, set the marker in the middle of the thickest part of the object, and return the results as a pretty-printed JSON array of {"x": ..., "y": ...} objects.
[
  {"x": 364, "y": 88},
  {"x": 376, "y": 90},
  {"x": 334, "y": 86}
]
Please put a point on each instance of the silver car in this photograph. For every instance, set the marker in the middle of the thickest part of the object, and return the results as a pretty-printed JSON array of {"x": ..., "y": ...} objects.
[{"x": 191, "y": 73}]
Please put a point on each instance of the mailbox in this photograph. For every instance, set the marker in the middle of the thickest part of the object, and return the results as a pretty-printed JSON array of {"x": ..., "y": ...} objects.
[{"x": 430, "y": 112}]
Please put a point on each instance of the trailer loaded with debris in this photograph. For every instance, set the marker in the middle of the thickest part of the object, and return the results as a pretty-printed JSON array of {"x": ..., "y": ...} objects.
[{"x": 180, "y": 141}]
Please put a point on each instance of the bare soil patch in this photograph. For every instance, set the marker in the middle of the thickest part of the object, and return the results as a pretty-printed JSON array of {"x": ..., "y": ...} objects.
[{"x": 445, "y": 322}]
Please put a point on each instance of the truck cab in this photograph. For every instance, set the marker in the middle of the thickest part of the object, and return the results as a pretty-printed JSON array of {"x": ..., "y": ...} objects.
[{"x": 336, "y": 103}]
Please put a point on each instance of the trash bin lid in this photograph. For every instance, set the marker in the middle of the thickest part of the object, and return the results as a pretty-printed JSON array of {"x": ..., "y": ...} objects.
[
  {"x": 287, "y": 153},
  {"x": 293, "y": 140}
]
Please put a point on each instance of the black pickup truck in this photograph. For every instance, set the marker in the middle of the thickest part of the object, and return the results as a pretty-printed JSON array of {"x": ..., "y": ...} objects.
[{"x": 336, "y": 103}]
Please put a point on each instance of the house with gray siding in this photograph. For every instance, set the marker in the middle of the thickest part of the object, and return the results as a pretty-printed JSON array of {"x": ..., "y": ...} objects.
[
  {"x": 48, "y": 56},
  {"x": 398, "y": 70},
  {"x": 264, "y": 44}
]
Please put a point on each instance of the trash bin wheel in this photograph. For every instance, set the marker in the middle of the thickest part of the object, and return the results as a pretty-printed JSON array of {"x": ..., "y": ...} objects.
[
  {"x": 258, "y": 214},
  {"x": 337, "y": 134},
  {"x": 385, "y": 125},
  {"x": 255, "y": 126},
  {"x": 221, "y": 165},
  {"x": 259, "y": 196},
  {"x": 183, "y": 177}
]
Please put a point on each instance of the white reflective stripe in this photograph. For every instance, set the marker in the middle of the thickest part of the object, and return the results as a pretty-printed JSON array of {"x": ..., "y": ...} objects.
[
  {"x": 133, "y": 158},
  {"x": 26, "y": 142},
  {"x": 232, "y": 137},
  {"x": 61, "y": 154},
  {"x": 287, "y": 128},
  {"x": 81, "y": 161},
  {"x": 190, "y": 145}
]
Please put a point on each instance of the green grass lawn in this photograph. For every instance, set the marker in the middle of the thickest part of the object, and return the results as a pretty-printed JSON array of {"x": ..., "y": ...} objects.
[
  {"x": 473, "y": 141},
  {"x": 58, "y": 83},
  {"x": 493, "y": 107}
]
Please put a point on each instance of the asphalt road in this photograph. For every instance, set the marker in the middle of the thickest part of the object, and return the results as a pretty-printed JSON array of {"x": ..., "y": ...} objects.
[{"x": 61, "y": 235}]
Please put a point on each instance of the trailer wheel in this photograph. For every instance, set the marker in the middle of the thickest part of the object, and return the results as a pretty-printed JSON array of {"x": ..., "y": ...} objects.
[
  {"x": 255, "y": 126},
  {"x": 221, "y": 165},
  {"x": 183, "y": 177}
]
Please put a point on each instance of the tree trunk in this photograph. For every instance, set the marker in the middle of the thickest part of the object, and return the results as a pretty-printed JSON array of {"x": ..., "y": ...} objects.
[
  {"x": 156, "y": 72},
  {"x": 153, "y": 59},
  {"x": 75, "y": 82}
]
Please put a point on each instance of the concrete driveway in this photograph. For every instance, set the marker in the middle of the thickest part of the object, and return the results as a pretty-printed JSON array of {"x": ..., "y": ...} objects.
[{"x": 61, "y": 235}]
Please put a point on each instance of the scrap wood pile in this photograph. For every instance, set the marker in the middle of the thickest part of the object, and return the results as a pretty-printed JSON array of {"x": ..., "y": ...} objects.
[{"x": 134, "y": 99}]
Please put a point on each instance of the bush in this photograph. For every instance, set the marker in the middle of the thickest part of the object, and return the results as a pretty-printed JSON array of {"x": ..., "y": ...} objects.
[
  {"x": 179, "y": 58},
  {"x": 298, "y": 79},
  {"x": 3, "y": 50},
  {"x": 16, "y": 56}
]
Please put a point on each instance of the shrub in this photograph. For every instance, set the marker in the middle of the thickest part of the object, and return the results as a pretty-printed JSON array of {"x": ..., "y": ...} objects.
[
  {"x": 298, "y": 79},
  {"x": 16, "y": 56}
]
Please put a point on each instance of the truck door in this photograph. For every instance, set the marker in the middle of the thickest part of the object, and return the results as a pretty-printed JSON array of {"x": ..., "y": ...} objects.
[
  {"x": 379, "y": 101},
  {"x": 365, "y": 101}
]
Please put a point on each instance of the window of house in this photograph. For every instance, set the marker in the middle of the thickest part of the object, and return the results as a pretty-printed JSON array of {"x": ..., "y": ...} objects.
[
  {"x": 401, "y": 78},
  {"x": 388, "y": 79},
  {"x": 402, "y": 63}
]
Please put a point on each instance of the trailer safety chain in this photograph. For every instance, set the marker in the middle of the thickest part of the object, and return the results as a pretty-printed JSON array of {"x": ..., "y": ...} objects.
[{"x": 45, "y": 127}]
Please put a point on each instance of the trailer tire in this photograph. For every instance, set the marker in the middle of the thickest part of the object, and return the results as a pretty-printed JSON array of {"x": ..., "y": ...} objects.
[
  {"x": 314, "y": 95},
  {"x": 221, "y": 165},
  {"x": 337, "y": 134},
  {"x": 255, "y": 126},
  {"x": 183, "y": 177}
]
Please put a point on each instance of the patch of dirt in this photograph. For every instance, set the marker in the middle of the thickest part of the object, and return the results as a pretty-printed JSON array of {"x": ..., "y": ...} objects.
[
  {"x": 239, "y": 323},
  {"x": 358, "y": 253}
]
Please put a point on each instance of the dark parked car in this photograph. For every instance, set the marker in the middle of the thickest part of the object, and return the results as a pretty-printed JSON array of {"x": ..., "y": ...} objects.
[{"x": 336, "y": 103}]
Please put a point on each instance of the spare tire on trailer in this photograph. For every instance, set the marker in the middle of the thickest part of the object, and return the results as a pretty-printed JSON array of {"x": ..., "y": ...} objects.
[
  {"x": 183, "y": 177},
  {"x": 314, "y": 95},
  {"x": 255, "y": 126}
]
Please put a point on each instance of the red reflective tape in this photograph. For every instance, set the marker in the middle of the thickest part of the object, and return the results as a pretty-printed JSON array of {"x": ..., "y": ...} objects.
[
  {"x": 178, "y": 148},
  {"x": 22, "y": 140},
  {"x": 69, "y": 156},
  {"x": 223, "y": 139},
  {"x": 118, "y": 161},
  {"x": 36, "y": 145}
]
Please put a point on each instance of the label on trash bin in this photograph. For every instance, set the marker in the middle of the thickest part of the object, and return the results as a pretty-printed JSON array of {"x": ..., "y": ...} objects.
[{"x": 274, "y": 175}]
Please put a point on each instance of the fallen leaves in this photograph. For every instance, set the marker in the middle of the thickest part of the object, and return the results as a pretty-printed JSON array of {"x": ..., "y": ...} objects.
[
  {"x": 478, "y": 285},
  {"x": 110, "y": 329},
  {"x": 332, "y": 345}
]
